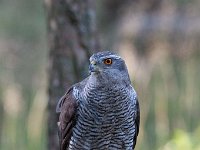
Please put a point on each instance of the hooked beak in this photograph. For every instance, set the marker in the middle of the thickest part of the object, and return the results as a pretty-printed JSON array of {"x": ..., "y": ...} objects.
[{"x": 93, "y": 67}]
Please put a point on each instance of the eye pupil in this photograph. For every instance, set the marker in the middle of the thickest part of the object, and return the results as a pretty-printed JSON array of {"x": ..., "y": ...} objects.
[{"x": 108, "y": 61}]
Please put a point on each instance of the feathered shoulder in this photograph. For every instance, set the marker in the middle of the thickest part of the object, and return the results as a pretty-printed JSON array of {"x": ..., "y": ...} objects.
[{"x": 67, "y": 108}]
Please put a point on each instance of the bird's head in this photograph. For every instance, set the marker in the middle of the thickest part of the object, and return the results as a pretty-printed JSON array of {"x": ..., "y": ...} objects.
[{"x": 109, "y": 65}]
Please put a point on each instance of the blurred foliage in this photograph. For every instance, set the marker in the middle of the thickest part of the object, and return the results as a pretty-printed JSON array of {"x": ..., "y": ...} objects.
[
  {"x": 22, "y": 75},
  {"x": 184, "y": 141},
  {"x": 162, "y": 54},
  {"x": 170, "y": 104}
]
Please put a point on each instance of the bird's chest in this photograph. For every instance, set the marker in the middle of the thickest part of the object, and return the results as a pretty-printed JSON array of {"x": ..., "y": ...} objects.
[
  {"x": 105, "y": 112},
  {"x": 104, "y": 118}
]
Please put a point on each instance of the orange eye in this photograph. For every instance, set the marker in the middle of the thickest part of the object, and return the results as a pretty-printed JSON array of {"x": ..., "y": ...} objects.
[{"x": 108, "y": 61}]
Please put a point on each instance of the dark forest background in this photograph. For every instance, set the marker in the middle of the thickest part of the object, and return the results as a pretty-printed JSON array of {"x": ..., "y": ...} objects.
[{"x": 159, "y": 40}]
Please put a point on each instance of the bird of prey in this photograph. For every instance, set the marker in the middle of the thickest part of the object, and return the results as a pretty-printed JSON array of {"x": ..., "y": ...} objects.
[{"x": 102, "y": 111}]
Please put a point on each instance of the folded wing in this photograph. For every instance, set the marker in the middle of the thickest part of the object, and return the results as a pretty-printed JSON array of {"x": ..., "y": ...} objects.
[{"x": 67, "y": 108}]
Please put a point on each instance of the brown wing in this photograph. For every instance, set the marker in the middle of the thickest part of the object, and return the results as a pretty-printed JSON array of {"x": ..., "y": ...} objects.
[
  {"x": 137, "y": 123},
  {"x": 67, "y": 107}
]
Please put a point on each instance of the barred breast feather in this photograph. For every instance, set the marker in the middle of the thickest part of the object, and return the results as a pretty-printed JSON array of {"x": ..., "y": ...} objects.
[{"x": 98, "y": 117}]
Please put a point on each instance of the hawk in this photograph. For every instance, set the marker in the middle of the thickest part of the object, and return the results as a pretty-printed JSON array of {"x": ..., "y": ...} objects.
[{"x": 102, "y": 111}]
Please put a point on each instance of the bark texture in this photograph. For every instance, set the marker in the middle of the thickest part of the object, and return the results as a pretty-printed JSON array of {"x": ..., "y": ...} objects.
[{"x": 72, "y": 39}]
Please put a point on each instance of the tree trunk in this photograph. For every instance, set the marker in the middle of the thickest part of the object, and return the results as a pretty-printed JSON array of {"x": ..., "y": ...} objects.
[{"x": 72, "y": 39}]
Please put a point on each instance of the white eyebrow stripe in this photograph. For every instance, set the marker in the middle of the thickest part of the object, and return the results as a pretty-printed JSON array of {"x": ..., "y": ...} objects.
[{"x": 113, "y": 56}]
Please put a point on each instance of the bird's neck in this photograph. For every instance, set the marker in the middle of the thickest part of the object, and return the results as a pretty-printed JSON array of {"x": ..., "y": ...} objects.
[{"x": 103, "y": 79}]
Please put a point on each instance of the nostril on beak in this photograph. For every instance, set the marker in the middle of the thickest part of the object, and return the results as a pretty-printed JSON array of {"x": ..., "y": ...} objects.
[
  {"x": 93, "y": 66},
  {"x": 93, "y": 62}
]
